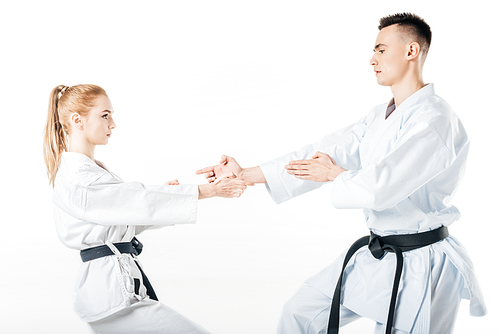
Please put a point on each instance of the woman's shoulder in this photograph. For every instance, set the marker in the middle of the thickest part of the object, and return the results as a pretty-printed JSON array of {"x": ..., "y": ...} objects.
[{"x": 77, "y": 168}]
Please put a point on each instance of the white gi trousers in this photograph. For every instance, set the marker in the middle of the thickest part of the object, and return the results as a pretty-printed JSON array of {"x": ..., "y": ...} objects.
[
  {"x": 146, "y": 317},
  {"x": 308, "y": 311}
]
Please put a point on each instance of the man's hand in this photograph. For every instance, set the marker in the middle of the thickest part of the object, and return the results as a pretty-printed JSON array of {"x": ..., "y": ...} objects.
[
  {"x": 172, "y": 182},
  {"x": 226, "y": 166},
  {"x": 321, "y": 168}
]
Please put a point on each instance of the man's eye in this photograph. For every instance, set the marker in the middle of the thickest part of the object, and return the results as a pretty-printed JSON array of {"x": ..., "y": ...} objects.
[{"x": 105, "y": 116}]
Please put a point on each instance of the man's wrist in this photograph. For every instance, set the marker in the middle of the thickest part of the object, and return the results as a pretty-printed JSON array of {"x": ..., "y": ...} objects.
[
  {"x": 252, "y": 174},
  {"x": 334, "y": 173},
  {"x": 243, "y": 174},
  {"x": 206, "y": 191}
]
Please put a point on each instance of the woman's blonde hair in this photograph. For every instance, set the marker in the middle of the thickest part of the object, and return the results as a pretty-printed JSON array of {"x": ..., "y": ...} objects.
[{"x": 63, "y": 102}]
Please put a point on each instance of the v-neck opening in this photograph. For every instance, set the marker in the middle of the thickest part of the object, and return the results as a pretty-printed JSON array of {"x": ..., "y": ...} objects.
[
  {"x": 100, "y": 164},
  {"x": 391, "y": 107}
]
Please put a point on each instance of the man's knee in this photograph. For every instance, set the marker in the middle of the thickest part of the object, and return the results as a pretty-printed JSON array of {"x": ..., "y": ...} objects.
[
  {"x": 305, "y": 317},
  {"x": 292, "y": 308}
]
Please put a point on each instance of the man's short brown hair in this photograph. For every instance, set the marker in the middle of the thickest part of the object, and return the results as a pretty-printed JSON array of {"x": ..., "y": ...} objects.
[{"x": 412, "y": 25}]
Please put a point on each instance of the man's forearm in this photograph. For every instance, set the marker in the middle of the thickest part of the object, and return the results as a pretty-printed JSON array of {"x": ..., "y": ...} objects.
[{"x": 253, "y": 174}]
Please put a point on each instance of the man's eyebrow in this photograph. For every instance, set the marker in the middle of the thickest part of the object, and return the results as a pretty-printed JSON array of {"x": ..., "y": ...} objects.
[{"x": 378, "y": 46}]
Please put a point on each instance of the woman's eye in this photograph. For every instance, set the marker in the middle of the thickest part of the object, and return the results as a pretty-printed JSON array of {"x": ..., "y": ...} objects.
[{"x": 381, "y": 51}]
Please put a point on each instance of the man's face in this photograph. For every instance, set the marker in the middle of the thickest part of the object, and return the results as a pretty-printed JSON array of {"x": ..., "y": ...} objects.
[{"x": 390, "y": 56}]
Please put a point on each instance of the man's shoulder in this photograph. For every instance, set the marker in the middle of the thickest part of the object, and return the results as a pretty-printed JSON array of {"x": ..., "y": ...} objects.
[
  {"x": 434, "y": 112},
  {"x": 431, "y": 109}
]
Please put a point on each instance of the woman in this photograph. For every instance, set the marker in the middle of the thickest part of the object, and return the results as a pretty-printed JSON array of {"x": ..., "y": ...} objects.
[{"x": 100, "y": 215}]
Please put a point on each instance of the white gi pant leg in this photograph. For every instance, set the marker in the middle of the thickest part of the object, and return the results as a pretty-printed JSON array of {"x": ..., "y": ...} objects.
[
  {"x": 308, "y": 311},
  {"x": 439, "y": 312},
  {"x": 147, "y": 317}
]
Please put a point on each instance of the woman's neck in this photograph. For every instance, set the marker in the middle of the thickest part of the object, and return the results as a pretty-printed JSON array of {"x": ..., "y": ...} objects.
[{"x": 81, "y": 146}]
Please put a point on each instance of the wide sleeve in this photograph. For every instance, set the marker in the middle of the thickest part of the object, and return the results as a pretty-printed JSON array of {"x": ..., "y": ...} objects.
[
  {"x": 342, "y": 146},
  {"x": 419, "y": 155},
  {"x": 105, "y": 201}
]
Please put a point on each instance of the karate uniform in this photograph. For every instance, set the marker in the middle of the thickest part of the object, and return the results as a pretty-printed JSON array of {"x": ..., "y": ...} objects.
[
  {"x": 94, "y": 207},
  {"x": 402, "y": 172}
]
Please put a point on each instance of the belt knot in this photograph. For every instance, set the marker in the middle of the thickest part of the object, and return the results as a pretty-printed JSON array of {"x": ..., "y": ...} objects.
[
  {"x": 375, "y": 245},
  {"x": 137, "y": 245}
]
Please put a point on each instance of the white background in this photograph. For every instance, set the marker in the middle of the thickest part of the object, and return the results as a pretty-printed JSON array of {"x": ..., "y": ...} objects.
[{"x": 191, "y": 80}]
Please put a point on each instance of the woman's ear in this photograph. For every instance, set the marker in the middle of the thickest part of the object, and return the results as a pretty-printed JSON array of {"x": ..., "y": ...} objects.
[{"x": 76, "y": 120}]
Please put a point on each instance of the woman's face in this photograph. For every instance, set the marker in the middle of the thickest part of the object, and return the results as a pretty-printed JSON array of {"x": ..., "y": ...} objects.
[{"x": 98, "y": 123}]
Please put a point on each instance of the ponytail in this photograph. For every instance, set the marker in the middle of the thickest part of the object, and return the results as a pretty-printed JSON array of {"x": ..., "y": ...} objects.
[
  {"x": 55, "y": 140},
  {"x": 63, "y": 102}
]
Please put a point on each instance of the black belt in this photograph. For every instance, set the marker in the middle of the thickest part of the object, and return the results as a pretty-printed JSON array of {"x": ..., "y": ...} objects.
[
  {"x": 132, "y": 247},
  {"x": 378, "y": 247}
]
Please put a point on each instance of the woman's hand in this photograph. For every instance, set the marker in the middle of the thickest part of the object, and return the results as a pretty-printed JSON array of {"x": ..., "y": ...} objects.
[
  {"x": 172, "y": 182},
  {"x": 225, "y": 186},
  {"x": 321, "y": 168},
  {"x": 230, "y": 186}
]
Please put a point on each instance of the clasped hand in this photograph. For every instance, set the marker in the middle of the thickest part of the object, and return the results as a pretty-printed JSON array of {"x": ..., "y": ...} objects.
[
  {"x": 226, "y": 177},
  {"x": 320, "y": 168}
]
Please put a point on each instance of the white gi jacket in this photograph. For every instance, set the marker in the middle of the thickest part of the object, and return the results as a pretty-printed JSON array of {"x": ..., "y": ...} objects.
[
  {"x": 94, "y": 206},
  {"x": 403, "y": 172}
]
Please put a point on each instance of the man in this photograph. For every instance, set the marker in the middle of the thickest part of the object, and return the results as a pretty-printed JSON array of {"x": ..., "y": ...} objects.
[{"x": 401, "y": 164}]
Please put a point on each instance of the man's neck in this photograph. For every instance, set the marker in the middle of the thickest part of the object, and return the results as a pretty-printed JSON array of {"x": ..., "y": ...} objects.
[{"x": 406, "y": 88}]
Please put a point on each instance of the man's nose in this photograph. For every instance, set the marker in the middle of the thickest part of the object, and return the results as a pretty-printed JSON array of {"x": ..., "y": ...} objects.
[{"x": 373, "y": 61}]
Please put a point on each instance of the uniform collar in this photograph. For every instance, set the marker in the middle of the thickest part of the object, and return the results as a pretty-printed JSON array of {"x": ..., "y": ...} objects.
[
  {"x": 391, "y": 115},
  {"x": 427, "y": 90},
  {"x": 81, "y": 158},
  {"x": 77, "y": 157}
]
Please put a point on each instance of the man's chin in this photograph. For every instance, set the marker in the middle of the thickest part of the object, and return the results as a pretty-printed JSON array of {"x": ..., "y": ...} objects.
[{"x": 381, "y": 82}]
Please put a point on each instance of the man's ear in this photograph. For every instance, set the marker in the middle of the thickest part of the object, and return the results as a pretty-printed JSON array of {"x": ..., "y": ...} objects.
[{"x": 413, "y": 51}]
